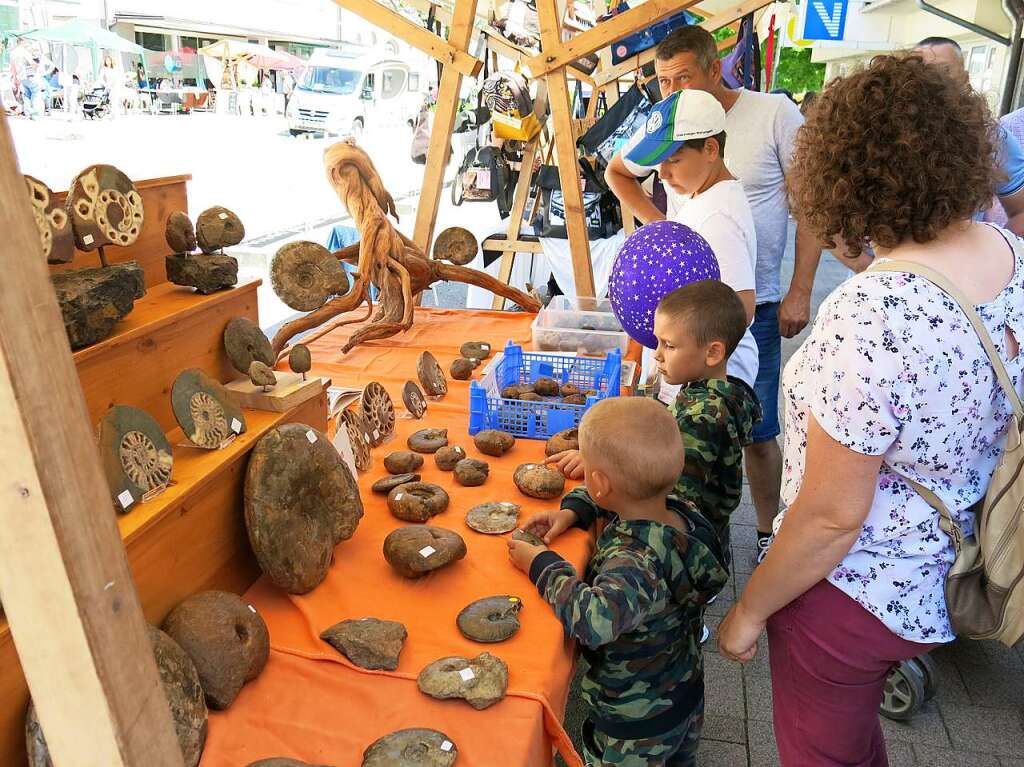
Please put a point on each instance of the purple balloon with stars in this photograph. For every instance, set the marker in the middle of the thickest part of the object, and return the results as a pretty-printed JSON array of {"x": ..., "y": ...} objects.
[{"x": 655, "y": 260}]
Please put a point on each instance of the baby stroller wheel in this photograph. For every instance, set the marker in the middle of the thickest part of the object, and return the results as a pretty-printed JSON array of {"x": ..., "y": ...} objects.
[
  {"x": 904, "y": 691},
  {"x": 457, "y": 191},
  {"x": 930, "y": 672}
]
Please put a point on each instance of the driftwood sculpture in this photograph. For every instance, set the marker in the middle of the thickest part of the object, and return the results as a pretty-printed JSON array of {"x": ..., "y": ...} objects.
[{"x": 384, "y": 258}]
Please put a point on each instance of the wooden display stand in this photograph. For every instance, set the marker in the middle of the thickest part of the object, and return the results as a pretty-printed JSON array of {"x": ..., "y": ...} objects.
[{"x": 192, "y": 536}]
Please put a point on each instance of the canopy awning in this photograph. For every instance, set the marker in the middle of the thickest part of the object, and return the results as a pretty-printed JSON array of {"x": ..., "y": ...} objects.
[{"x": 80, "y": 33}]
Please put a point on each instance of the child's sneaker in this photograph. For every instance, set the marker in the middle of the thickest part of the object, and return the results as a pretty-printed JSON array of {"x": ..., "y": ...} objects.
[
  {"x": 763, "y": 542},
  {"x": 705, "y": 634}
]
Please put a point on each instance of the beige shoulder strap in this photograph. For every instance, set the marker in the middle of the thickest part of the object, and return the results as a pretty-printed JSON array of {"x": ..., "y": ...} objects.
[{"x": 968, "y": 309}]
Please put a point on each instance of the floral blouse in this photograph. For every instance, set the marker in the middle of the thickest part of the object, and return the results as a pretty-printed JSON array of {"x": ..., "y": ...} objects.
[{"x": 893, "y": 367}]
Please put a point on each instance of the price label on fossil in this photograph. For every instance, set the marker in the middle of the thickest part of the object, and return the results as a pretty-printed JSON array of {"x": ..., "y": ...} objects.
[
  {"x": 236, "y": 426},
  {"x": 376, "y": 434},
  {"x": 252, "y": 608},
  {"x": 447, "y": 746},
  {"x": 223, "y": 216},
  {"x": 398, "y": 496},
  {"x": 87, "y": 239},
  {"x": 485, "y": 347},
  {"x": 311, "y": 436},
  {"x": 126, "y": 499},
  {"x": 426, "y": 551},
  {"x": 467, "y": 674}
]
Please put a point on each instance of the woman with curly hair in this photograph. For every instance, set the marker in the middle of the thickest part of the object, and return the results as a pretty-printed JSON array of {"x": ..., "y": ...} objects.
[{"x": 893, "y": 382}]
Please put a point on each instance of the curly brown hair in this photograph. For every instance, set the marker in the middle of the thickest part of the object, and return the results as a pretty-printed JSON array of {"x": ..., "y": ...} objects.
[{"x": 897, "y": 150}]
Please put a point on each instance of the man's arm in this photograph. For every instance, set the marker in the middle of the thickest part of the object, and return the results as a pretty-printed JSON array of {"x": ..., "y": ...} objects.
[
  {"x": 795, "y": 310},
  {"x": 1013, "y": 206},
  {"x": 1011, "y": 191},
  {"x": 627, "y": 189}
]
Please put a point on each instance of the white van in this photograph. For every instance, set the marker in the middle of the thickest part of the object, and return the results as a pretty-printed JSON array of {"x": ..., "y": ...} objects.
[{"x": 341, "y": 93}]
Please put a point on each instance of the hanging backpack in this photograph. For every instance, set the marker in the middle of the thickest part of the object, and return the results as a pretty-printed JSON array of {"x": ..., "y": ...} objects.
[
  {"x": 646, "y": 38},
  {"x": 506, "y": 95},
  {"x": 615, "y": 127},
  {"x": 420, "y": 138},
  {"x": 741, "y": 68},
  {"x": 600, "y": 207},
  {"x": 486, "y": 177},
  {"x": 985, "y": 585}
]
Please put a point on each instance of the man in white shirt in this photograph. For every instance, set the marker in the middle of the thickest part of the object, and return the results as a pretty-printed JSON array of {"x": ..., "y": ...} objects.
[{"x": 761, "y": 129}]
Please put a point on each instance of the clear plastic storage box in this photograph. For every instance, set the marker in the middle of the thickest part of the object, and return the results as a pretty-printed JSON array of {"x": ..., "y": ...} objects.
[{"x": 580, "y": 325}]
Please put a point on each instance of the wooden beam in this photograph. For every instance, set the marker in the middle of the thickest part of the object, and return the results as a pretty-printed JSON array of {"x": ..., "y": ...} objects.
[
  {"x": 444, "y": 123},
  {"x": 510, "y": 50},
  {"x": 67, "y": 591},
  {"x": 516, "y": 246},
  {"x": 448, "y": 53}
]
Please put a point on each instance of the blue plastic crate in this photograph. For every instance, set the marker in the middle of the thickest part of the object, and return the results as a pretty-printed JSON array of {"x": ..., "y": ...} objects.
[{"x": 540, "y": 420}]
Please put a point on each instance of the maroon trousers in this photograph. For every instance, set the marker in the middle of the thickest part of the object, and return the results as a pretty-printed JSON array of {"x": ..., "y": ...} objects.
[{"x": 829, "y": 660}]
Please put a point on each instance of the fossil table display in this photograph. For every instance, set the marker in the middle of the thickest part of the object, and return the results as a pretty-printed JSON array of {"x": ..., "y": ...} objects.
[
  {"x": 245, "y": 343},
  {"x": 135, "y": 454},
  {"x": 417, "y": 501},
  {"x": 93, "y": 301},
  {"x": 106, "y": 209},
  {"x": 369, "y": 643},
  {"x": 53, "y": 223},
  {"x": 204, "y": 410},
  {"x": 300, "y": 502},
  {"x": 539, "y": 481},
  {"x": 413, "y": 399},
  {"x": 492, "y": 619},
  {"x": 226, "y": 639},
  {"x": 218, "y": 228},
  {"x": 379, "y": 412},
  {"x": 456, "y": 246},
  {"x": 480, "y": 681},
  {"x": 431, "y": 376},
  {"x": 493, "y": 517},
  {"x": 415, "y": 747},
  {"x": 305, "y": 274},
  {"x": 420, "y": 549}
]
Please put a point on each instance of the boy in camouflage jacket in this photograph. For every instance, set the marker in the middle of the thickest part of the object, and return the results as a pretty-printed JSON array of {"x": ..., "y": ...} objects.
[{"x": 637, "y": 610}]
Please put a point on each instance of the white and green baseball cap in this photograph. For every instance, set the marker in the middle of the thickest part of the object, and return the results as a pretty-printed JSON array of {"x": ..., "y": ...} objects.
[{"x": 684, "y": 116}]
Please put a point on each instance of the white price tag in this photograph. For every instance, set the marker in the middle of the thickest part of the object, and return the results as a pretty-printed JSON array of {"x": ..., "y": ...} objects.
[
  {"x": 483, "y": 177},
  {"x": 236, "y": 426},
  {"x": 366, "y": 437},
  {"x": 398, "y": 496},
  {"x": 87, "y": 239},
  {"x": 311, "y": 436},
  {"x": 253, "y": 609},
  {"x": 376, "y": 434},
  {"x": 447, "y": 746},
  {"x": 485, "y": 347},
  {"x": 467, "y": 674},
  {"x": 426, "y": 551},
  {"x": 126, "y": 499},
  {"x": 223, "y": 216}
]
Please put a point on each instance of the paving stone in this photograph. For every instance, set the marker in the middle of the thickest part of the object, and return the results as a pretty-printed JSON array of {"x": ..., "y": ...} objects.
[
  {"x": 721, "y": 605},
  {"x": 900, "y": 755},
  {"x": 985, "y": 730},
  {"x": 1006, "y": 762},
  {"x": 731, "y": 729},
  {"x": 761, "y": 739},
  {"x": 744, "y": 559},
  {"x": 929, "y": 756},
  {"x": 723, "y": 687},
  {"x": 992, "y": 683},
  {"x": 758, "y": 690},
  {"x": 949, "y": 684},
  {"x": 925, "y": 727},
  {"x": 717, "y": 754}
]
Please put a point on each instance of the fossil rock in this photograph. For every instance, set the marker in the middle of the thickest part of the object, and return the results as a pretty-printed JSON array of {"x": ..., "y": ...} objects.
[
  {"x": 456, "y": 245},
  {"x": 417, "y": 747},
  {"x": 420, "y": 549},
  {"x": 105, "y": 208},
  {"x": 281, "y": 761},
  {"x": 478, "y": 350},
  {"x": 218, "y": 228},
  {"x": 515, "y": 391},
  {"x": 369, "y": 643},
  {"x": 547, "y": 387},
  {"x": 530, "y": 396},
  {"x": 207, "y": 274},
  {"x": 358, "y": 437},
  {"x": 480, "y": 681},
  {"x": 52, "y": 221},
  {"x": 305, "y": 274},
  {"x": 300, "y": 502},
  {"x": 431, "y": 375},
  {"x": 403, "y": 462},
  {"x": 261, "y": 375},
  {"x": 135, "y": 454},
  {"x": 378, "y": 411},
  {"x": 569, "y": 439},
  {"x": 568, "y": 389},
  {"x": 184, "y": 695},
  {"x": 417, "y": 501},
  {"x": 493, "y": 517},
  {"x": 538, "y": 481},
  {"x": 527, "y": 537},
  {"x": 575, "y": 399},
  {"x": 428, "y": 440},
  {"x": 414, "y": 400},
  {"x": 471, "y": 472},
  {"x": 204, "y": 410},
  {"x": 461, "y": 369},
  {"x": 300, "y": 360},
  {"x": 93, "y": 301},
  {"x": 447, "y": 457},
  {"x": 226, "y": 639},
  {"x": 179, "y": 233},
  {"x": 494, "y": 442},
  {"x": 492, "y": 619},
  {"x": 387, "y": 484},
  {"x": 245, "y": 343}
]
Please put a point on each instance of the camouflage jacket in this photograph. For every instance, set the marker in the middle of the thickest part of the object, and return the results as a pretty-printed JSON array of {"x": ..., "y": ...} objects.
[{"x": 637, "y": 614}]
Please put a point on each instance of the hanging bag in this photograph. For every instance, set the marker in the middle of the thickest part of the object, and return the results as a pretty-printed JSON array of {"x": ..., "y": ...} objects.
[
  {"x": 420, "y": 138},
  {"x": 600, "y": 207},
  {"x": 506, "y": 95},
  {"x": 985, "y": 586},
  {"x": 646, "y": 38},
  {"x": 615, "y": 127}
]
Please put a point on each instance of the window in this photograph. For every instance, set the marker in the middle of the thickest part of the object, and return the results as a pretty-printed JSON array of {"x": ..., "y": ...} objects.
[
  {"x": 414, "y": 82},
  {"x": 369, "y": 86},
  {"x": 152, "y": 41},
  {"x": 394, "y": 83}
]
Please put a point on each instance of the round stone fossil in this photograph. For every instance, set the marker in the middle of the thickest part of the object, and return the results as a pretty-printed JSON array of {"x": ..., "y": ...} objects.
[
  {"x": 494, "y": 442},
  {"x": 413, "y": 399},
  {"x": 281, "y": 761},
  {"x": 492, "y": 619},
  {"x": 416, "y": 747},
  {"x": 387, "y": 484},
  {"x": 262, "y": 375},
  {"x": 538, "y": 481},
  {"x": 379, "y": 412},
  {"x": 461, "y": 368},
  {"x": 417, "y": 501},
  {"x": 547, "y": 387},
  {"x": 179, "y": 233},
  {"x": 136, "y": 455},
  {"x": 480, "y": 681},
  {"x": 575, "y": 399},
  {"x": 105, "y": 207},
  {"x": 420, "y": 549},
  {"x": 477, "y": 350},
  {"x": 515, "y": 391},
  {"x": 447, "y": 457},
  {"x": 568, "y": 389},
  {"x": 218, "y": 228},
  {"x": 456, "y": 245},
  {"x": 530, "y": 396},
  {"x": 471, "y": 472},
  {"x": 369, "y": 643},
  {"x": 403, "y": 462},
  {"x": 52, "y": 222},
  {"x": 493, "y": 517},
  {"x": 569, "y": 439},
  {"x": 431, "y": 375},
  {"x": 245, "y": 343},
  {"x": 358, "y": 437},
  {"x": 305, "y": 274},
  {"x": 204, "y": 409},
  {"x": 527, "y": 537},
  {"x": 226, "y": 639},
  {"x": 300, "y": 502},
  {"x": 300, "y": 360},
  {"x": 428, "y": 440}
]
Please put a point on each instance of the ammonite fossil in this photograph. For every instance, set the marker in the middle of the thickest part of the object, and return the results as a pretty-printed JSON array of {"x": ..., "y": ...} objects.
[
  {"x": 135, "y": 453},
  {"x": 477, "y": 350},
  {"x": 52, "y": 221},
  {"x": 358, "y": 437},
  {"x": 456, "y": 245},
  {"x": 417, "y": 550},
  {"x": 471, "y": 472},
  {"x": 415, "y": 747},
  {"x": 492, "y": 619},
  {"x": 379, "y": 412},
  {"x": 244, "y": 342},
  {"x": 105, "y": 208},
  {"x": 569, "y": 439},
  {"x": 179, "y": 233},
  {"x": 494, "y": 442},
  {"x": 538, "y": 481},
  {"x": 300, "y": 360},
  {"x": 385, "y": 485},
  {"x": 480, "y": 681},
  {"x": 462, "y": 368},
  {"x": 527, "y": 537},
  {"x": 547, "y": 387},
  {"x": 447, "y": 457},
  {"x": 262, "y": 375},
  {"x": 305, "y": 274},
  {"x": 204, "y": 410},
  {"x": 414, "y": 400},
  {"x": 431, "y": 375},
  {"x": 428, "y": 440},
  {"x": 417, "y": 501},
  {"x": 218, "y": 228},
  {"x": 493, "y": 517},
  {"x": 402, "y": 462}
]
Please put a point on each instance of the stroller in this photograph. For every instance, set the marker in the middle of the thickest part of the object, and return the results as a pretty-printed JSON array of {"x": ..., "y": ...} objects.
[{"x": 96, "y": 103}]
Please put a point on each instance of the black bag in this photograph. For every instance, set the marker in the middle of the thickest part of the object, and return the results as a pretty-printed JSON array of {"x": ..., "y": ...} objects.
[
  {"x": 486, "y": 177},
  {"x": 600, "y": 207},
  {"x": 420, "y": 138},
  {"x": 615, "y": 127}
]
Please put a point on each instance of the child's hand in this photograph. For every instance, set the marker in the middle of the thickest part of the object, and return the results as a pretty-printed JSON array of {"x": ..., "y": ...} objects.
[
  {"x": 568, "y": 462},
  {"x": 522, "y": 554},
  {"x": 550, "y": 524}
]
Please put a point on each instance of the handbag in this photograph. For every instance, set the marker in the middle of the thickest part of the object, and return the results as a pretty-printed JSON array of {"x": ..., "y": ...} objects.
[
  {"x": 742, "y": 67},
  {"x": 646, "y": 38},
  {"x": 507, "y": 95},
  {"x": 486, "y": 177},
  {"x": 420, "y": 138},
  {"x": 615, "y": 127},
  {"x": 600, "y": 206}
]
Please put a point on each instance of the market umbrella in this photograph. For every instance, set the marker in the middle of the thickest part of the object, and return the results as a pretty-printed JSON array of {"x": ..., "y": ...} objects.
[{"x": 254, "y": 54}]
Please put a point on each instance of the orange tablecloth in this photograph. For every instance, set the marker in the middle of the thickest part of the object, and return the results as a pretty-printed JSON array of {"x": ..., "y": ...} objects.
[{"x": 311, "y": 703}]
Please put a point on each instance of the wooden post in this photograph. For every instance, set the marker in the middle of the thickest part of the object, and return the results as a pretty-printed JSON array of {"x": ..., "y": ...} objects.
[{"x": 67, "y": 591}]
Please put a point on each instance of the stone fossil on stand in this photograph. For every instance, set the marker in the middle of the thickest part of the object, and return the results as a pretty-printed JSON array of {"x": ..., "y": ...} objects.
[
  {"x": 456, "y": 245},
  {"x": 245, "y": 343},
  {"x": 358, "y": 437},
  {"x": 431, "y": 375},
  {"x": 369, "y": 643},
  {"x": 180, "y": 234},
  {"x": 93, "y": 301},
  {"x": 53, "y": 223},
  {"x": 379, "y": 412},
  {"x": 300, "y": 360},
  {"x": 105, "y": 208},
  {"x": 218, "y": 228},
  {"x": 135, "y": 454},
  {"x": 305, "y": 274},
  {"x": 413, "y": 399},
  {"x": 204, "y": 410}
]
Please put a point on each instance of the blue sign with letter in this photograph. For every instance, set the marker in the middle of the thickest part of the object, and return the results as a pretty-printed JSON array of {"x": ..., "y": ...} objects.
[{"x": 824, "y": 19}]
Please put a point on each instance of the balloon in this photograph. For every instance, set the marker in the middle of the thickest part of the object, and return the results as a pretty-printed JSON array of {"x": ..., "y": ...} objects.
[{"x": 655, "y": 260}]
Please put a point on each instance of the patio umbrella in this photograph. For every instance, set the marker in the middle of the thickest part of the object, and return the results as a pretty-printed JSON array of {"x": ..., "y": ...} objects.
[{"x": 254, "y": 54}]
